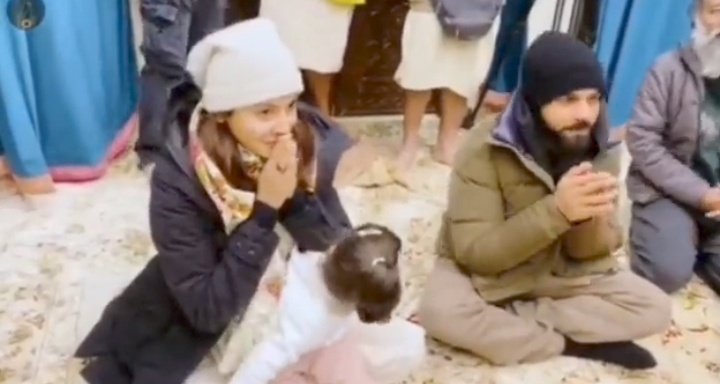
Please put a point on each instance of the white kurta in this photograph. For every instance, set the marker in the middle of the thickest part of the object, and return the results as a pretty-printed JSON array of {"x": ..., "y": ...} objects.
[
  {"x": 432, "y": 60},
  {"x": 316, "y": 31}
]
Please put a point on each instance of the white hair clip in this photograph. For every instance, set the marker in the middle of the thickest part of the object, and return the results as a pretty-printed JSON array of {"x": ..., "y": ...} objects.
[
  {"x": 378, "y": 260},
  {"x": 369, "y": 231}
]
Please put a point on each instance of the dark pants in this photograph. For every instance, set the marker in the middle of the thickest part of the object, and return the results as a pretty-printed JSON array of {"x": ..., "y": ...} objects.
[
  {"x": 170, "y": 29},
  {"x": 669, "y": 242}
]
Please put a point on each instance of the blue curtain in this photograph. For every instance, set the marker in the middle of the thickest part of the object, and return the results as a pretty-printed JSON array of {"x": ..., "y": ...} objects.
[
  {"x": 632, "y": 35},
  {"x": 67, "y": 87}
]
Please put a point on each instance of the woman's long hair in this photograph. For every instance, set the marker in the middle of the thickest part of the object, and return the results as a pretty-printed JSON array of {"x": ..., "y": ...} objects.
[{"x": 218, "y": 141}]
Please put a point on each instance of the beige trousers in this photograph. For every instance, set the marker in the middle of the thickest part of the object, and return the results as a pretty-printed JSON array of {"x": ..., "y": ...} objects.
[{"x": 615, "y": 307}]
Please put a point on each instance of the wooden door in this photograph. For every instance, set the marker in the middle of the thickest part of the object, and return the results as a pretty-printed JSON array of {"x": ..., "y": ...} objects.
[
  {"x": 365, "y": 86},
  {"x": 242, "y": 9}
]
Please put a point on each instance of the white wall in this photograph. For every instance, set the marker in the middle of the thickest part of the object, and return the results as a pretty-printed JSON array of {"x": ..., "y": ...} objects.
[{"x": 542, "y": 14}]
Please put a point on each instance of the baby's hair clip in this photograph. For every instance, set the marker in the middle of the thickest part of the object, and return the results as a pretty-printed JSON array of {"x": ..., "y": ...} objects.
[
  {"x": 369, "y": 231},
  {"x": 379, "y": 260}
]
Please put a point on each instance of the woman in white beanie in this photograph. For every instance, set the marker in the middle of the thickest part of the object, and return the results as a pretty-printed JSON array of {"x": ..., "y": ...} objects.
[
  {"x": 316, "y": 31},
  {"x": 242, "y": 156}
]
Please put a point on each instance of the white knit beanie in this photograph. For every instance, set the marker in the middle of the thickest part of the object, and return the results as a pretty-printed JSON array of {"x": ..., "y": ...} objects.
[{"x": 242, "y": 65}]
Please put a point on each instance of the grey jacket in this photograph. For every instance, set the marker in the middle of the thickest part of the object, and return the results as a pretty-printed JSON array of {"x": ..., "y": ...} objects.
[{"x": 663, "y": 133}]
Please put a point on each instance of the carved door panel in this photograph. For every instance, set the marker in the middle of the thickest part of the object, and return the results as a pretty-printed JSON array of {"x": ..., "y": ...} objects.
[
  {"x": 365, "y": 85},
  {"x": 242, "y": 9}
]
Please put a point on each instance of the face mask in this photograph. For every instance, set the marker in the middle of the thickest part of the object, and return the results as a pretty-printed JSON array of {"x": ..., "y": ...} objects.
[{"x": 707, "y": 46}]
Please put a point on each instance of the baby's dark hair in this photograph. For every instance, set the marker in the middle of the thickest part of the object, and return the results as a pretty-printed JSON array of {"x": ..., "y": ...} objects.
[{"x": 363, "y": 269}]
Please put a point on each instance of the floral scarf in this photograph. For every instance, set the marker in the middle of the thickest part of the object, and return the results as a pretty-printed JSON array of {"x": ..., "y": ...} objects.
[{"x": 235, "y": 206}]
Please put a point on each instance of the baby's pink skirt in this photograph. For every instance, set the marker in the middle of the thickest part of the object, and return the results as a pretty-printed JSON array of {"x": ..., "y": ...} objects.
[
  {"x": 341, "y": 362},
  {"x": 396, "y": 349}
]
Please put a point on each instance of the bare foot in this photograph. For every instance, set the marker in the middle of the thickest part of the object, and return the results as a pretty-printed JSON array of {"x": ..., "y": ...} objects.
[
  {"x": 443, "y": 158},
  {"x": 407, "y": 158},
  {"x": 445, "y": 149}
]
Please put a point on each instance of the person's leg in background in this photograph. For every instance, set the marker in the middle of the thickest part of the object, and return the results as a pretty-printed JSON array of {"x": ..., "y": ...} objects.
[
  {"x": 208, "y": 16},
  {"x": 415, "y": 105},
  {"x": 318, "y": 45},
  {"x": 321, "y": 86},
  {"x": 166, "y": 29},
  {"x": 169, "y": 31},
  {"x": 663, "y": 243},
  {"x": 453, "y": 110},
  {"x": 513, "y": 34}
]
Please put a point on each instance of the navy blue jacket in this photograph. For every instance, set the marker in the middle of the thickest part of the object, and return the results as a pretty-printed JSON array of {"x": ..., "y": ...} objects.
[{"x": 165, "y": 322}]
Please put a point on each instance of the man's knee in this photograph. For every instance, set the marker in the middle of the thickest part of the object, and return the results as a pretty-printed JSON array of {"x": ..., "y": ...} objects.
[
  {"x": 669, "y": 267},
  {"x": 444, "y": 300},
  {"x": 461, "y": 318},
  {"x": 438, "y": 325},
  {"x": 432, "y": 316},
  {"x": 653, "y": 312},
  {"x": 663, "y": 246},
  {"x": 659, "y": 311}
]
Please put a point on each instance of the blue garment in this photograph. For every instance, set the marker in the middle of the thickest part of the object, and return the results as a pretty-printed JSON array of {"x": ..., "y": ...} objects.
[
  {"x": 512, "y": 33},
  {"x": 67, "y": 87},
  {"x": 632, "y": 35}
]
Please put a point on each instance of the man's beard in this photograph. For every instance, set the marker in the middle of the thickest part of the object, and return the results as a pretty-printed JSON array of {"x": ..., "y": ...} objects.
[
  {"x": 707, "y": 46},
  {"x": 576, "y": 139}
]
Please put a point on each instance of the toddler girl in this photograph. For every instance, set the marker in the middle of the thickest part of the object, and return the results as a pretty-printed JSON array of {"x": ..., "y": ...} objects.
[{"x": 334, "y": 318}]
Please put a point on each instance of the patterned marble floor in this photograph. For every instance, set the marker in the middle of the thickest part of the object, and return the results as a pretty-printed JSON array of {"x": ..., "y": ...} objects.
[{"x": 63, "y": 257}]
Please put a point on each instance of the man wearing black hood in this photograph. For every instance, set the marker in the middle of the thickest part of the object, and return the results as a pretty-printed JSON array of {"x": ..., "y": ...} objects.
[{"x": 527, "y": 269}]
